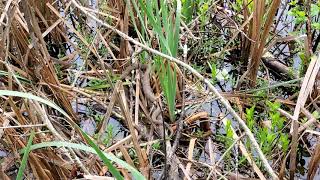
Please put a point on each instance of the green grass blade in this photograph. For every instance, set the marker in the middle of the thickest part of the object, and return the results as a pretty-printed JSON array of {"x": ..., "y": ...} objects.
[
  {"x": 168, "y": 84},
  {"x": 25, "y": 157},
  {"x": 156, "y": 24},
  {"x": 143, "y": 36},
  {"x": 33, "y": 97},
  {"x": 165, "y": 18},
  {"x": 136, "y": 174},
  {"x": 175, "y": 40},
  {"x": 106, "y": 161},
  {"x": 171, "y": 91}
]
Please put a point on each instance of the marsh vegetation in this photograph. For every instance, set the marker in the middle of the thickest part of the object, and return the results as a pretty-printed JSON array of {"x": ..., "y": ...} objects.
[{"x": 166, "y": 89}]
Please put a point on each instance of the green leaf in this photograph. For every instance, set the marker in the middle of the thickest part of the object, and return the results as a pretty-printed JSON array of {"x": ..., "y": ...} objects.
[
  {"x": 154, "y": 21},
  {"x": 291, "y": 12},
  {"x": 284, "y": 140},
  {"x": 301, "y": 13},
  {"x": 168, "y": 82},
  {"x": 156, "y": 145},
  {"x": 250, "y": 117},
  {"x": 270, "y": 138},
  {"x": 301, "y": 19},
  {"x": 213, "y": 68},
  {"x": 273, "y": 106},
  {"x": 25, "y": 157}
]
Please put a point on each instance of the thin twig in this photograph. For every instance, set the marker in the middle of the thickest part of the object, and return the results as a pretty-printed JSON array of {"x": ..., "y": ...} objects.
[{"x": 23, "y": 126}]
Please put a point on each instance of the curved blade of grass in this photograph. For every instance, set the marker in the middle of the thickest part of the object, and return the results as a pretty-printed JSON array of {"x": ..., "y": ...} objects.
[
  {"x": 106, "y": 161},
  {"x": 33, "y": 97},
  {"x": 25, "y": 157},
  {"x": 136, "y": 174}
]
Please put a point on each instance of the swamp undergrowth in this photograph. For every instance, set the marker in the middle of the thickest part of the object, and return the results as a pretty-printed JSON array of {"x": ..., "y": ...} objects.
[{"x": 187, "y": 89}]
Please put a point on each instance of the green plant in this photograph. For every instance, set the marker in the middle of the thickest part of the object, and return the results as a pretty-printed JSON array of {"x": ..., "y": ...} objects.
[
  {"x": 249, "y": 117},
  {"x": 168, "y": 83},
  {"x": 238, "y": 5},
  {"x": 203, "y": 7},
  {"x": 99, "y": 117},
  {"x": 163, "y": 19},
  {"x": 199, "y": 133},
  {"x": 229, "y": 134},
  {"x": 98, "y": 84},
  {"x": 277, "y": 122},
  {"x": 22, "y": 79},
  {"x": 222, "y": 75},
  {"x": 268, "y": 137},
  {"x": 305, "y": 14},
  {"x": 95, "y": 84},
  {"x": 109, "y": 135},
  {"x": 251, "y": 123},
  {"x": 300, "y": 15},
  {"x": 316, "y": 114},
  {"x": 156, "y": 145},
  {"x": 227, "y": 139},
  {"x": 213, "y": 69},
  {"x": 25, "y": 157},
  {"x": 262, "y": 83},
  {"x": 284, "y": 140},
  {"x": 187, "y": 9}
]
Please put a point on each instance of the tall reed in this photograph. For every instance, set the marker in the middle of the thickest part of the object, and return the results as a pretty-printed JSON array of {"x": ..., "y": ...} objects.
[{"x": 261, "y": 22}]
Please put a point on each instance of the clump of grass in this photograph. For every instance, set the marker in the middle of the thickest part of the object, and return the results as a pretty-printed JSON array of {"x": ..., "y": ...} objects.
[
  {"x": 168, "y": 82},
  {"x": 165, "y": 23}
]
